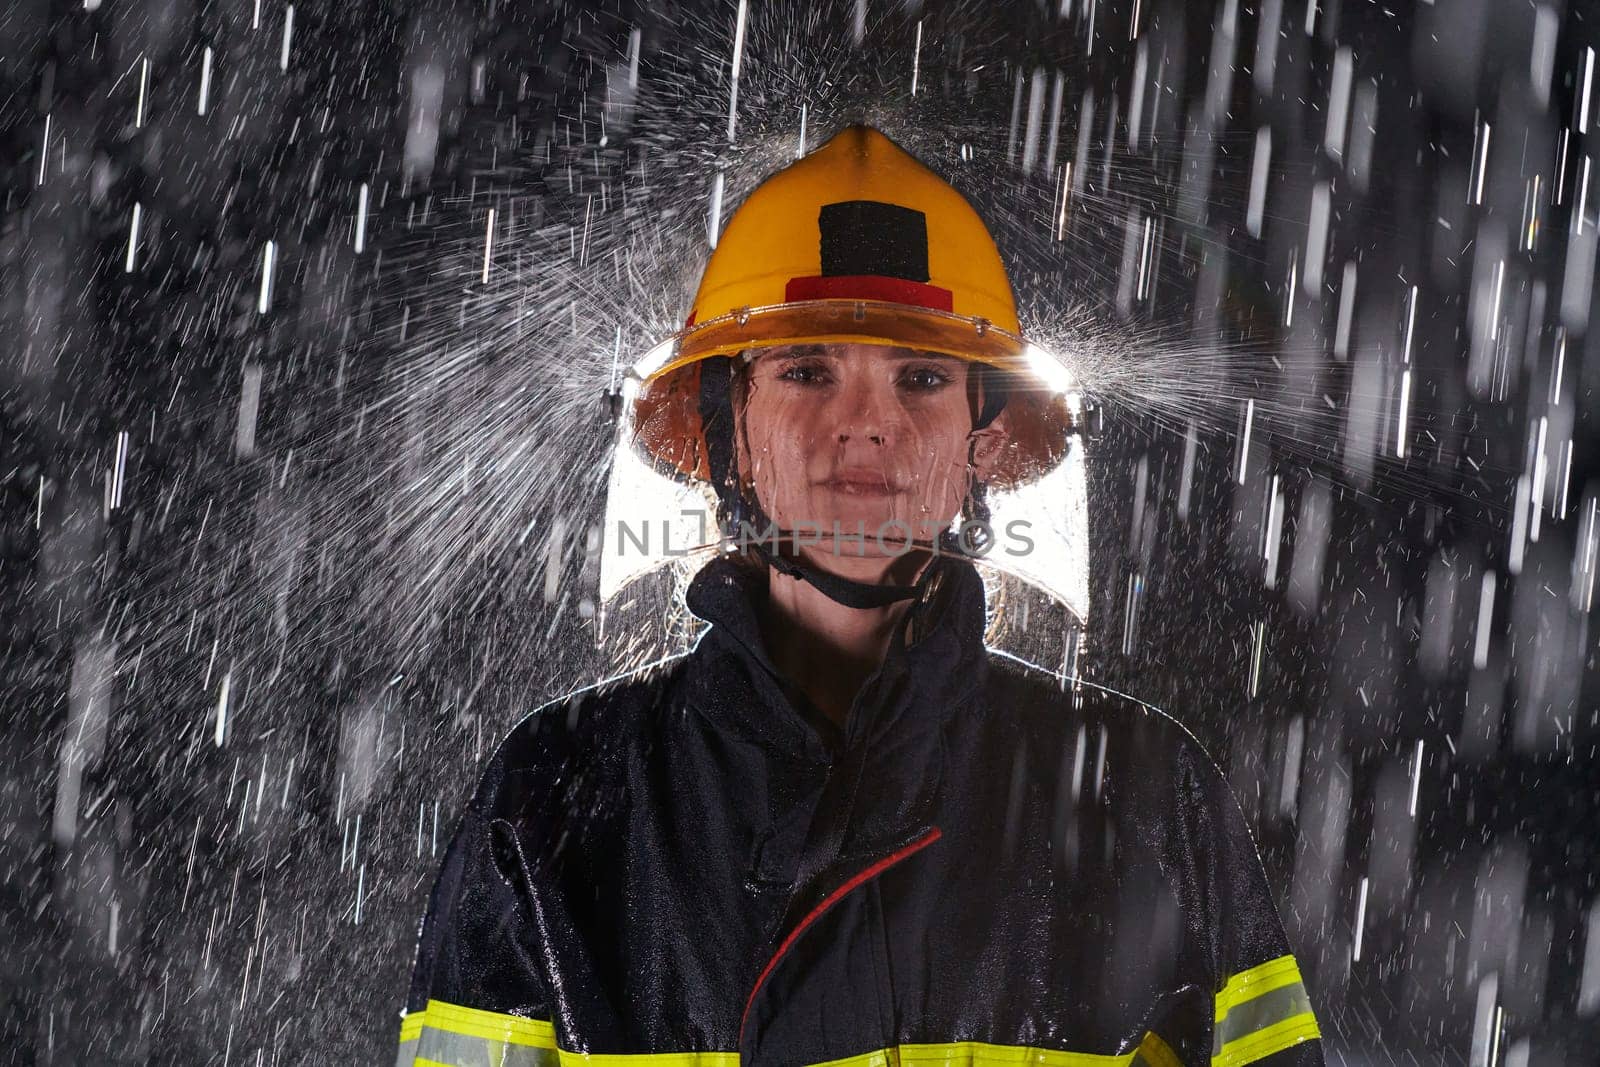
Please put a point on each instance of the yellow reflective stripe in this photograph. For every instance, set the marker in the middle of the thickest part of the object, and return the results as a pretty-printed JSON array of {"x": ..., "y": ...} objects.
[
  {"x": 498, "y": 1030},
  {"x": 1154, "y": 1052},
  {"x": 1262, "y": 1011},
  {"x": 471, "y": 1037},
  {"x": 1265, "y": 1042},
  {"x": 652, "y": 1059},
  {"x": 454, "y": 1035},
  {"x": 1247, "y": 985},
  {"x": 489, "y": 1025}
]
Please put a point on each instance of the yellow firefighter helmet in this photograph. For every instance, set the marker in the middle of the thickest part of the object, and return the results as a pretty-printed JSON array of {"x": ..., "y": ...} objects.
[{"x": 857, "y": 241}]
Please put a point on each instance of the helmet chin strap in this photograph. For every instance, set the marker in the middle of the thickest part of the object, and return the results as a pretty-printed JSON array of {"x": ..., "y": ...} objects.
[
  {"x": 839, "y": 589},
  {"x": 716, "y": 420}
]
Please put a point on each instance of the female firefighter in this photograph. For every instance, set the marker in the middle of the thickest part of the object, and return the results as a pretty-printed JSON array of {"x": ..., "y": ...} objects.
[{"x": 841, "y": 829}]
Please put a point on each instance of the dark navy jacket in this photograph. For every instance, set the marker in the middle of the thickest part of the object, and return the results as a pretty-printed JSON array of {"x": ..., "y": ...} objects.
[{"x": 683, "y": 865}]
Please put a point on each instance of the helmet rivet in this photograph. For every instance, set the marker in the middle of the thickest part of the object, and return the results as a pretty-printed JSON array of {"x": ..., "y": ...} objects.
[
  {"x": 861, "y": 311},
  {"x": 982, "y": 326},
  {"x": 742, "y": 315}
]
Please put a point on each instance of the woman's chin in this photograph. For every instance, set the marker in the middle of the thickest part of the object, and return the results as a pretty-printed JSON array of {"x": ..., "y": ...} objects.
[{"x": 869, "y": 533}]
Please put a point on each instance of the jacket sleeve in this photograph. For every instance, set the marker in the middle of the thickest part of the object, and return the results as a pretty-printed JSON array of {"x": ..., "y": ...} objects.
[
  {"x": 477, "y": 992},
  {"x": 1263, "y": 1014}
]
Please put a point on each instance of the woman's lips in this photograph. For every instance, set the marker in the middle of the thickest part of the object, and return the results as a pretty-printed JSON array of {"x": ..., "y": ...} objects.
[{"x": 866, "y": 485}]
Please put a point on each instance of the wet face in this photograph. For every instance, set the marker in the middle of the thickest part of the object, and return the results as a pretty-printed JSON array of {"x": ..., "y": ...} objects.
[{"x": 873, "y": 438}]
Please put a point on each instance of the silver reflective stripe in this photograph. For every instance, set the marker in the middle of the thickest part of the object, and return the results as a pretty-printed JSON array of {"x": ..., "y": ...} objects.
[
  {"x": 1258, "y": 1013},
  {"x": 462, "y": 1050},
  {"x": 408, "y": 1054}
]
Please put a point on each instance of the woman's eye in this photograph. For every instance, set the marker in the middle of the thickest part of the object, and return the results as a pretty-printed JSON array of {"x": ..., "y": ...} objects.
[
  {"x": 804, "y": 373},
  {"x": 926, "y": 378}
]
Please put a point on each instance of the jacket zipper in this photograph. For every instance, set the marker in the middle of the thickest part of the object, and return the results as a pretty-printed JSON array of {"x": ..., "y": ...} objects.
[{"x": 855, "y": 882}]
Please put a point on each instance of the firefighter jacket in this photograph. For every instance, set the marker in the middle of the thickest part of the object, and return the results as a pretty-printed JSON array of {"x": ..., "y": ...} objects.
[{"x": 683, "y": 868}]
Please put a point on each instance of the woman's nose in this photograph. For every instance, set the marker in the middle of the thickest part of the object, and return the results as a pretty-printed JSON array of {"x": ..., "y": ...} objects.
[{"x": 868, "y": 413}]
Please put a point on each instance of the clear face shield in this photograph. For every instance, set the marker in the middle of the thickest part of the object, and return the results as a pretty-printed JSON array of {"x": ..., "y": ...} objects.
[{"x": 863, "y": 452}]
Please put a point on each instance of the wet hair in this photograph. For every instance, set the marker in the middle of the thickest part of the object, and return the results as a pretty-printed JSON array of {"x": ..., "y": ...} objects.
[{"x": 988, "y": 387}]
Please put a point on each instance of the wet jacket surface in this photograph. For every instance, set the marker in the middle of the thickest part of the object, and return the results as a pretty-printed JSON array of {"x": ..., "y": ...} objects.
[{"x": 683, "y": 865}]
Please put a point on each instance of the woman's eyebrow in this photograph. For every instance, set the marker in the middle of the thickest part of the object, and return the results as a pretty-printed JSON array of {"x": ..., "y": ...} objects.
[{"x": 797, "y": 351}]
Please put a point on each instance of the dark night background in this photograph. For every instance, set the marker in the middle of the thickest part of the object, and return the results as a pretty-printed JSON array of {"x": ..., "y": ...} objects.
[{"x": 297, "y": 472}]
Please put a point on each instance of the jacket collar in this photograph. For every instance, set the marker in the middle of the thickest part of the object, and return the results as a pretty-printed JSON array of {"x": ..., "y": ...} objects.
[{"x": 940, "y": 643}]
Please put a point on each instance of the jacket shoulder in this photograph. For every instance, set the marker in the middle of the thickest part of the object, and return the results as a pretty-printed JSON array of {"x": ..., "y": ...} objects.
[
  {"x": 1052, "y": 708},
  {"x": 574, "y": 737}
]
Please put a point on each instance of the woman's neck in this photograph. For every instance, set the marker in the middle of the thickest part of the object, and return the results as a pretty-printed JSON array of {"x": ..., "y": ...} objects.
[{"x": 825, "y": 649}]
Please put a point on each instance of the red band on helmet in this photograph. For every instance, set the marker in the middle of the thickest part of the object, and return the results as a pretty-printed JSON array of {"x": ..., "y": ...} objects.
[{"x": 869, "y": 287}]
